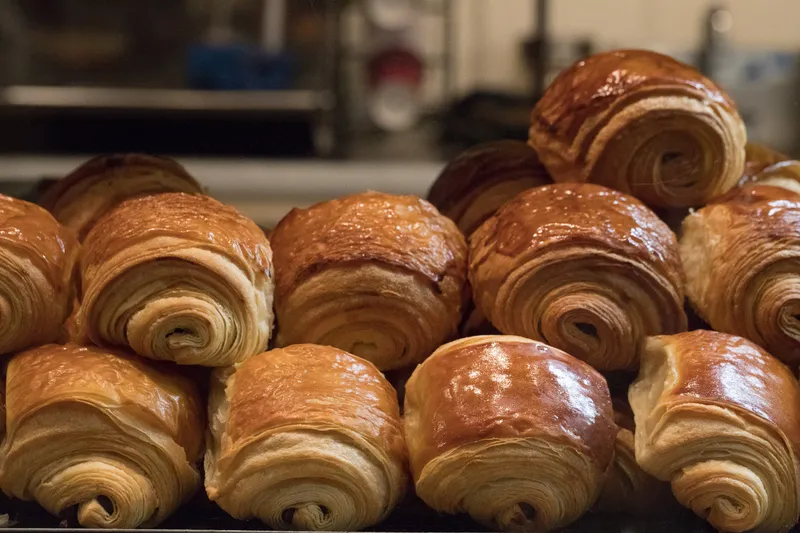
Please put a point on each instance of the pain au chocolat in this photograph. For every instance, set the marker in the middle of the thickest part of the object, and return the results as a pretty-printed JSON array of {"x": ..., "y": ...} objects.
[
  {"x": 305, "y": 437},
  {"x": 515, "y": 433},
  {"x": 110, "y": 433},
  {"x": 719, "y": 418},
  {"x": 642, "y": 123},
  {"x": 378, "y": 275},
  {"x": 479, "y": 180},
  {"x": 81, "y": 198},
  {"x": 583, "y": 268},
  {"x": 741, "y": 255},
  {"x": 178, "y": 277}
]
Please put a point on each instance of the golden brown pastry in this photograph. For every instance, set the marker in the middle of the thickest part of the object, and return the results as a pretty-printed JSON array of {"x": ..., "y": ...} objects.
[
  {"x": 784, "y": 174},
  {"x": 583, "y": 268},
  {"x": 719, "y": 418},
  {"x": 741, "y": 256},
  {"x": 81, "y": 198},
  {"x": 642, "y": 123},
  {"x": 758, "y": 157},
  {"x": 37, "y": 261},
  {"x": 479, "y": 180},
  {"x": 109, "y": 433},
  {"x": 513, "y": 432},
  {"x": 306, "y": 437},
  {"x": 378, "y": 275},
  {"x": 178, "y": 277}
]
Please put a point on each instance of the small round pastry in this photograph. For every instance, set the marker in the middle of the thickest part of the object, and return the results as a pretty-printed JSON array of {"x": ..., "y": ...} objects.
[
  {"x": 178, "y": 277},
  {"x": 110, "y": 433},
  {"x": 306, "y": 438},
  {"x": 377, "y": 275},
  {"x": 479, "y": 180},
  {"x": 515, "y": 433},
  {"x": 583, "y": 268},
  {"x": 81, "y": 198},
  {"x": 37, "y": 266},
  {"x": 642, "y": 123}
]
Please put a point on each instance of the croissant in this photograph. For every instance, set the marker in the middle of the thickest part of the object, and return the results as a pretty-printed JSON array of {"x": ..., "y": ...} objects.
[
  {"x": 377, "y": 275},
  {"x": 178, "y": 277},
  {"x": 103, "y": 431},
  {"x": 37, "y": 261},
  {"x": 478, "y": 181},
  {"x": 81, "y": 198},
  {"x": 513, "y": 432},
  {"x": 583, "y": 268},
  {"x": 719, "y": 418},
  {"x": 642, "y": 123},
  {"x": 740, "y": 255},
  {"x": 306, "y": 437}
]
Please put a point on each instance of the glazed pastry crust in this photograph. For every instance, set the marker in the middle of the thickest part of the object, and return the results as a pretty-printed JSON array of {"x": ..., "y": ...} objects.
[
  {"x": 487, "y": 416},
  {"x": 740, "y": 255},
  {"x": 642, "y": 123},
  {"x": 87, "y": 422},
  {"x": 719, "y": 418},
  {"x": 314, "y": 414},
  {"x": 563, "y": 256}
]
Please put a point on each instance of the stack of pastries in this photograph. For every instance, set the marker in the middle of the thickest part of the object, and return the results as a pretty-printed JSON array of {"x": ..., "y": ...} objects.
[{"x": 530, "y": 317}]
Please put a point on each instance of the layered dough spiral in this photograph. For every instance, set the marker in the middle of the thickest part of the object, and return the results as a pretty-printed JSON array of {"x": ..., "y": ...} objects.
[
  {"x": 478, "y": 181},
  {"x": 178, "y": 277},
  {"x": 515, "y": 433},
  {"x": 583, "y": 268},
  {"x": 81, "y": 198},
  {"x": 719, "y": 418},
  {"x": 378, "y": 275},
  {"x": 642, "y": 123},
  {"x": 741, "y": 255},
  {"x": 37, "y": 262},
  {"x": 305, "y": 438},
  {"x": 105, "y": 432}
]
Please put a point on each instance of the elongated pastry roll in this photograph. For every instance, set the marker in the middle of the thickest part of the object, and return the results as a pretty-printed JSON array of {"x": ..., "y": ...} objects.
[
  {"x": 479, "y": 180},
  {"x": 719, "y": 418},
  {"x": 377, "y": 275},
  {"x": 515, "y": 433},
  {"x": 37, "y": 261},
  {"x": 583, "y": 268},
  {"x": 642, "y": 123},
  {"x": 307, "y": 438},
  {"x": 741, "y": 255},
  {"x": 784, "y": 174},
  {"x": 178, "y": 277},
  {"x": 103, "y": 431},
  {"x": 80, "y": 199}
]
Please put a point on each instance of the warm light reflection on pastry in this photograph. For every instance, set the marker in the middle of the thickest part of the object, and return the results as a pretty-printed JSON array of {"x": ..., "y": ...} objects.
[
  {"x": 758, "y": 157},
  {"x": 111, "y": 434},
  {"x": 515, "y": 433},
  {"x": 741, "y": 255},
  {"x": 479, "y": 180},
  {"x": 719, "y": 418},
  {"x": 307, "y": 438},
  {"x": 37, "y": 260},
  {"x": 784, "y": 174},
  {"x": 378, "y": 275},
  {"x": 81, "y": 198},
  {"x": 178, "y": 277},
  {"x": 586, "y": 269},
  {"x": 642, "y": 123}
]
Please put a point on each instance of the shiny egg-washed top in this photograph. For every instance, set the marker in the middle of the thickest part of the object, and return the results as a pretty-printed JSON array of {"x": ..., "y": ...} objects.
[
  {"x": 483, "y": 165},
  {"x": 600, "y": 82},
  {"x": 399, "y": 231},
  {"x": 752, "y": 213},
  {"x": 581, "y": 214},
  {"x": 35, "y": 234},
  {"x": 733, "y": 373},
  {"x": 108, "y": 380},
  {"x": 497, "y": 387},
  {"x": 312, "y": 387},
  {"x": 758, "y": 157},
  {"x": 200, "y": 221}
]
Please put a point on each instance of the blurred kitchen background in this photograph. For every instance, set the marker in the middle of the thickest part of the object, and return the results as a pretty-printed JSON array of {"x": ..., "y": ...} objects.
[{"x": 276, "y": 103}]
